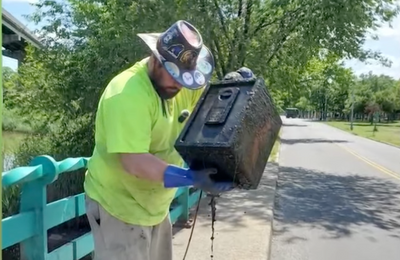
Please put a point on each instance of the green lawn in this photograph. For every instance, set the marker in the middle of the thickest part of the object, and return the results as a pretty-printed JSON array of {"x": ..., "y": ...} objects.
[
  {"x": 11, "y": 141},
  {"x": 275, "y": 150},
  {"x": 387, "y": 132}
]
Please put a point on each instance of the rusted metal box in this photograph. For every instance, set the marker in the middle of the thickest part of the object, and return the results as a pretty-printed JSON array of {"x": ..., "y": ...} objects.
[{"x": 233, "y": 128}]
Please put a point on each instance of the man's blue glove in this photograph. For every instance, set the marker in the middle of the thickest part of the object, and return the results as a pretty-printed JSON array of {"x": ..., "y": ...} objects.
[{"x": 175, "y": 177}]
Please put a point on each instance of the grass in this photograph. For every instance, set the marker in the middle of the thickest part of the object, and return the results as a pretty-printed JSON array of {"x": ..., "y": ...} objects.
[
  {"x": 275, "y": 149},
  {"x": 11, "y": 141},
  {"x": 387, "y": 132},
  {"x": 12, "y": 121}
]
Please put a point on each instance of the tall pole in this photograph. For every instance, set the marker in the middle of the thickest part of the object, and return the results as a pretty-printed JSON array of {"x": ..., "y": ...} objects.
[
  {"x": 329, "y": 81},
  {"x": 1, "y": 116},
  {"x": 326, "y": 107},
  {"x": 352, "y": 109},
  {"x": 309, "y": 104}
]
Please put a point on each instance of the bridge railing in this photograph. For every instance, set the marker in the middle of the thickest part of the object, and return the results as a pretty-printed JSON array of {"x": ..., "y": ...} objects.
[{"x": 29, "y": 227}]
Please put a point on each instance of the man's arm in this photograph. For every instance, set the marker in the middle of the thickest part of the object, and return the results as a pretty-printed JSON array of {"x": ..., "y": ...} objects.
[
  {"x": 127, "y": 118},
  {"x": 144, "y": 165}
]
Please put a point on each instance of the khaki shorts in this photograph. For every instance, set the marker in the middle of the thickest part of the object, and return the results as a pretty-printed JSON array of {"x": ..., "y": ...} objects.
[{"x": 116, "y": 240}]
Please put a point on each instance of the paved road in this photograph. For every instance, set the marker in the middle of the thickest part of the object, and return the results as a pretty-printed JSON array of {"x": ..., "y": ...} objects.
[{"x": 338, "y": 196}]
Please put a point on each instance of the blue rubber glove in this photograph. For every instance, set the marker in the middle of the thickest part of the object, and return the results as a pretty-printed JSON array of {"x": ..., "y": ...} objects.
[{"x": 175, "y": 177}]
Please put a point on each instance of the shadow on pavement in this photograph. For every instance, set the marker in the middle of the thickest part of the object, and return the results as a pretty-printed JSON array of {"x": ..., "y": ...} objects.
[
  {"x": 312, "y": 120},
  {"x": 240, "y": 208},
  {"x": 335, "y": 203},
  {"x": 294, "y": 125},
  {"x": 310, "y": 141},
  {"x": 378, "y": 125}
]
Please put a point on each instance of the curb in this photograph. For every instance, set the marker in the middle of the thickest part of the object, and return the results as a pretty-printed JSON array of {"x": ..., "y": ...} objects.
[
  {"x": 273, "y": 183},
  {"x": 271, "y": 207},
  {"x": 393, "y": 145}
]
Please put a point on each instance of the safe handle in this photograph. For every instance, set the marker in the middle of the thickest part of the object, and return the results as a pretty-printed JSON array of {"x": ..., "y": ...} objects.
[{"x": 222, "y": 105}]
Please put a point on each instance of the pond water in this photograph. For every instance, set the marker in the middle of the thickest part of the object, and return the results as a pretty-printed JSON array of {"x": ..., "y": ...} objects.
[
  {"x": 11, "y": 143},
  {"x": 8, "y": 162}
]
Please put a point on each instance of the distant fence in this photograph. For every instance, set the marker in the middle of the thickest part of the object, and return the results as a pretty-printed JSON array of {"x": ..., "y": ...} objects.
[{"x": 29, "y": 227}]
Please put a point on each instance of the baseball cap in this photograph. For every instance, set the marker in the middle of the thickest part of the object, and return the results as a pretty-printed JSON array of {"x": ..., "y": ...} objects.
[{"x": 181, "y": 51}]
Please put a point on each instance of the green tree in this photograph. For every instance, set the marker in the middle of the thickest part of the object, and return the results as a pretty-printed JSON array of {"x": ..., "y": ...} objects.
[
  {"x": 377, "y": 94},
  {"x": 10, "y": 78},
  {"x": 89, "y": 41}
]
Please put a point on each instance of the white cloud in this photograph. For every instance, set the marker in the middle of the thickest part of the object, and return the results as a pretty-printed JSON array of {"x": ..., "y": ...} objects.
[
  {"x": 390, "y": 31},
  {"x": 376, "y": 68},
  {"x": 388, "y": 45}
]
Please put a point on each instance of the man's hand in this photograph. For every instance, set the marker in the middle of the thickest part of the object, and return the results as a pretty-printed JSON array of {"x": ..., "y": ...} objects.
[
  {"x": 202, "y": 180},
  {"x": 175, "y": 176}
]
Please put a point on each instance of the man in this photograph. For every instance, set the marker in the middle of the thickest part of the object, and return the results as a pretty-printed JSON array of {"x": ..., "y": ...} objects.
[{"x": 134, "y": 171}]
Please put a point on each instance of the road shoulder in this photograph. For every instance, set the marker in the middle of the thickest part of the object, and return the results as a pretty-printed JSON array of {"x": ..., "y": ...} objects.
[{"x": 361, "y": 134}]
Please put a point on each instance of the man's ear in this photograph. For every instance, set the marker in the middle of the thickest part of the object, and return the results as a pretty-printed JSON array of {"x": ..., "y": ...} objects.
[
  {"x": 154, "y": 63},
  {"x": 157, "y": 64}
]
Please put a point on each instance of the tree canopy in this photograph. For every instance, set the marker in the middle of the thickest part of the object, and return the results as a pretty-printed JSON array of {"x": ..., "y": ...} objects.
[{"x": 295, "y": 45}]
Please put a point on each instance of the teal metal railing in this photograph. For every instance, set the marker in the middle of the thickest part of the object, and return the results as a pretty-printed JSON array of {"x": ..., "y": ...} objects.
[{"x": 36, "y": 216}]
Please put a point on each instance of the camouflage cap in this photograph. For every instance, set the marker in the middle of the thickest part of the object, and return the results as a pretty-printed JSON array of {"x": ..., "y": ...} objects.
[
  {"x": 242, "y": 73},
  {"x": 233, "y": 76},
  {"x": 246, "y": 72}
]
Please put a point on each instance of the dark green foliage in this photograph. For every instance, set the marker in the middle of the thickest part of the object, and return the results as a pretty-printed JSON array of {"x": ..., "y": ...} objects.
[{"x": 88, "y": 42}]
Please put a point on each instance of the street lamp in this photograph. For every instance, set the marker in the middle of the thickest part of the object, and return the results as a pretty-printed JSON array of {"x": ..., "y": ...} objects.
[
  {"x": 326, "y": 98},
  {"x": 352, "y": 109}
]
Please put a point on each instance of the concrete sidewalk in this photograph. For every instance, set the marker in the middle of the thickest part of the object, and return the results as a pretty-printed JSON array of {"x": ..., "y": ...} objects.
[{"x": 243, "y": 225}]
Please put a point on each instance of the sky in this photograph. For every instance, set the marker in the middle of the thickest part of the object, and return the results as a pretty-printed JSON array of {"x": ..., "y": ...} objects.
[{"x": 388, "y": 43}]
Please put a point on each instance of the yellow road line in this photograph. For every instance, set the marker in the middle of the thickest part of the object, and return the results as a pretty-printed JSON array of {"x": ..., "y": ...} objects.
[{"x": 371, "y": 163}]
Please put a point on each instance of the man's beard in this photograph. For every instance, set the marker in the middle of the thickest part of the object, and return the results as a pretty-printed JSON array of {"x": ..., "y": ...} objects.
[{"x": 162, "y": 91}]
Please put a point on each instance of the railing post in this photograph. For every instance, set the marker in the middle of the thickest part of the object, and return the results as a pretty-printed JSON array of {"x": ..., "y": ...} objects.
[
  {"x": 184, "y": 201},
  {"x": 34, "y": 198}
]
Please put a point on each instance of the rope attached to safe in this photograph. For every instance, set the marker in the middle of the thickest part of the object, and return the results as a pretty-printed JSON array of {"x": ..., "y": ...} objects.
[{"x": 213, "y": 213}]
